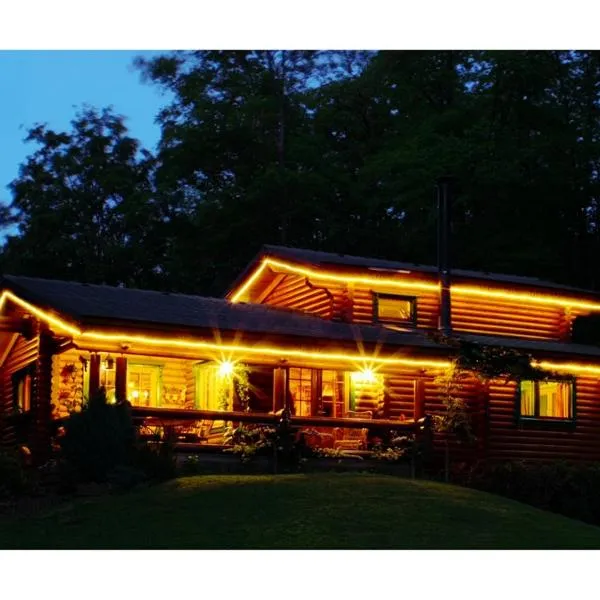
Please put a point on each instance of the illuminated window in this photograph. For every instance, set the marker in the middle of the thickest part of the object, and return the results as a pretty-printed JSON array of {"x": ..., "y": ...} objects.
[
  {"x": 143, "y": 384},
  {"x": 22, "y": 390},
  {"x": 388, "y": 308},
  {"x": 208, "y": 387},
  {"x": 300, "y": 389},
  {"x": 332, "y": 394},
  {"x": 546, "y": 399},
  {"x": 107, "y": 381}
]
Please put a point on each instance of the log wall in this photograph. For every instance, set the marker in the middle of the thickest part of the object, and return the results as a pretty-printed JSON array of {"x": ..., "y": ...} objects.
[
  {"x": 470, "y": 314},
  {"x": 23, "y": 354}
]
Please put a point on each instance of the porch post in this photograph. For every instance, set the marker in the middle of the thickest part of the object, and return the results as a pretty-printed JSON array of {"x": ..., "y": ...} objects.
[
  {"x": 40, "y": 398},
  {"x": 419, "y": 398},
  {"x": 280, "y": 385},
  {"x": 94, "y": 374},
  {"x": 121, "y": 379}
]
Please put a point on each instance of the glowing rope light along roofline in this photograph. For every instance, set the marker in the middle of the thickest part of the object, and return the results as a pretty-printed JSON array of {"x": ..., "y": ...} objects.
[
  {"x": 328, "y": 276},
  {"x": 41, "y": 314},
  {"x": 465, "y": 290},
  {"x": 278, "y": 352}
]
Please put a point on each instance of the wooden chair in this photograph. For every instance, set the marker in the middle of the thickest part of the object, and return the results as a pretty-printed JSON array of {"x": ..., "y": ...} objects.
[{"x": 353, "y": 439}]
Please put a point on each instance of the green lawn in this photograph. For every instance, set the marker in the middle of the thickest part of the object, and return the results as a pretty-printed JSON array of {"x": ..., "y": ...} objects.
[{"x": 298, "y": 511}]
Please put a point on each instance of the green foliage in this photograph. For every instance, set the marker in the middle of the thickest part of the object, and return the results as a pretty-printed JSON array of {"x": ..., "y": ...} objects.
[
  {"x": 13, "y": 478},
  {"x": 487, "y": 362},
  {"x": 241, "y": 384},
  {"x": 320, "y": 150},
  {"x": 571, "y": 489},
  {"x": 248, "y": 441},
  {"x": 456, "y": 418},
  {"x": 399, "y": 448},
  {"x": 98, "y": 439},
  {"x": 335, "y": 453},
  {"x": 100, "y": 444}
]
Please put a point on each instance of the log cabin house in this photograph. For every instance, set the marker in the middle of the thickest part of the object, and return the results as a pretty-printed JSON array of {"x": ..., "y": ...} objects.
[{"x": 343, "y": 342}]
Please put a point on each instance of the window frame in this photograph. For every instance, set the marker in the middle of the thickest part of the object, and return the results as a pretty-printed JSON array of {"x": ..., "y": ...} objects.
[
  {"x": 537, "y": 418},
  {"x": 25, "y": 376},
  {"x": 159, "y": 379},
  {"x": 316, "y": 379},
  {"x": 412, "y": 322}
]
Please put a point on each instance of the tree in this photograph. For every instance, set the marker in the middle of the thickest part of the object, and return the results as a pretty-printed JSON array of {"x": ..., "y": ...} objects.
[
  {"x": 84, "y": 205},
  {"x": 238, "y": 155}
]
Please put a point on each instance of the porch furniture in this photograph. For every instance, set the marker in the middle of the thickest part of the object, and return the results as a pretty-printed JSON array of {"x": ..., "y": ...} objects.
[{"x": 353, "y": 439}]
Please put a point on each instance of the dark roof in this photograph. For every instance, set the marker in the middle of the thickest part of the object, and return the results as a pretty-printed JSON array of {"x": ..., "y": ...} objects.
[
  {"x": 86, "y": 302},
  {"x": 318, "y": 258}
]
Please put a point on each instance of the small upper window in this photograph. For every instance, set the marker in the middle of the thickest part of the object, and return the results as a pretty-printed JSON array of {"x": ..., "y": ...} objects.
[
  {"x": 546, "y": 399},
  {"x": 394, "y": 309}
]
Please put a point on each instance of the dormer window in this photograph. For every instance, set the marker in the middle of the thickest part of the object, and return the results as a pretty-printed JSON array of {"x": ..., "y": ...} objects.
[{"x": 396, "y": 310}]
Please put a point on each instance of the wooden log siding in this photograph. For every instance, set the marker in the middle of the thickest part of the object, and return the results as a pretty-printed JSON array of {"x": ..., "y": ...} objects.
[
  {"x": 295, "y": 293},
  {"x": 23, "y": 354},
  {"x": 470, "y": 314},
  {"x": 509, "y": 439},
  {"x": 511, "y": 319},
  {"x": 400, "y": 395}
]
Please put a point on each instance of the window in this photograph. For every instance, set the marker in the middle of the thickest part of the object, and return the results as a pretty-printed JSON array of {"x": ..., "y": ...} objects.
[
  {"x": 22, "y": 390},
  {"x": 107, "y": 381},
  {"x": 394, "y": 309},
  {"x": 300, "y": 389},
  {"x": 317, "y": 392},
  {"x": 546, "y": 399},
  {"x": 332, "y": 394},
  {"x": 143, "y": 384},
  {"x": 208, "y": 387}
]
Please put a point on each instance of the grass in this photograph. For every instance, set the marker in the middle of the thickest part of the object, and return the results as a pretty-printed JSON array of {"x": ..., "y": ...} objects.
[{"x": 321, "y": 511}]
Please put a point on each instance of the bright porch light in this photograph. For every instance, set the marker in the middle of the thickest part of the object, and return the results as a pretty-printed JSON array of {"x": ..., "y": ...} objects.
[{"x": 226, "y": 368}]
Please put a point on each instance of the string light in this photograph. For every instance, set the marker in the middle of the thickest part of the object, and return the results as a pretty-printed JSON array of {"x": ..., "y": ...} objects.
[
  {"x": 458, "y": 289},
  {"x": 275, "y": 351},
  {"x": 226, "y": 368}
]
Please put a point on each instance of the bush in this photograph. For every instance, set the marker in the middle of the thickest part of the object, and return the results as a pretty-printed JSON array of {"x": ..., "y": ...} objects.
[
  {"x": 100, "y": 444},
  {"x": 13, "y": 479},
  {"x": 98, "y": 438},
  {"x": 570, "y": 489}
]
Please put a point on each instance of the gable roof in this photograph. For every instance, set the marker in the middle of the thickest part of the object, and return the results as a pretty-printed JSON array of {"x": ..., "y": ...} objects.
[{"x": 318, "y": 258}]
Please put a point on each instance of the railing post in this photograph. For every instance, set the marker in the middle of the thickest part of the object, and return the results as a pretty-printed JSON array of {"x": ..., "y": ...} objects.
[
  {"x": 121, "y": 379},
  {"x": 94, "y": 385}
]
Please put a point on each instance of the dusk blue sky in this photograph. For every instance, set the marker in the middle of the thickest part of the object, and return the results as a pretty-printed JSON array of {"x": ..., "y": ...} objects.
[{"x": 49, "y": 86}]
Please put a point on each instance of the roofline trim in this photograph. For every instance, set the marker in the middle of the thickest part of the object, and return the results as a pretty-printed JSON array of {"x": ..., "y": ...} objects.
[
  {"x": 463, "y": 289},
  {"x": 227, "y": 350}
]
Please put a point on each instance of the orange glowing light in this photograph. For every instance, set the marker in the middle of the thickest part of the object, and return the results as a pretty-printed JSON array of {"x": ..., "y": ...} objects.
[
  {"x": 367, "y": 362},
  {"x": 566, "y": 367},
  {"x": 466, "y": 290},
  {"x": 328, "y": 276},
  {"x": 366, "y": 375},
  {"x": 226, "y": 368}
]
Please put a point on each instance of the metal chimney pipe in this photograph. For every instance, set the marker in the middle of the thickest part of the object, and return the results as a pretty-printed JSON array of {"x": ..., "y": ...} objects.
[{"x": 444, "y": 205}]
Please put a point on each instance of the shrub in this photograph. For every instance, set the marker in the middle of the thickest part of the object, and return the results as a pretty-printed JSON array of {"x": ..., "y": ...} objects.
[
  {"x": 13, "y": 479},
  {"x": 100, "y": 444},
  {"x": 98, "y": 438},
  {"x": 570, "y": 489}
]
